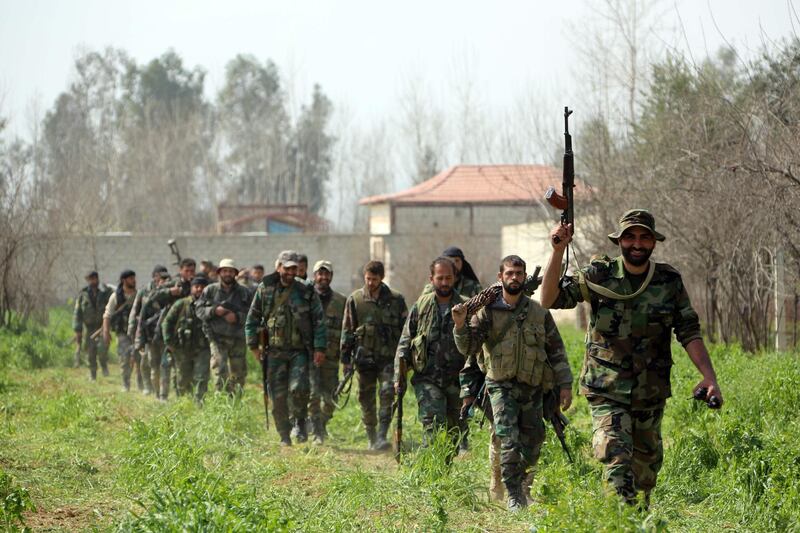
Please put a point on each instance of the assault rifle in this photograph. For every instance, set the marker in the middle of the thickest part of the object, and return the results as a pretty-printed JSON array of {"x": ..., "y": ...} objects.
[
  {"x": 173, "y": 247},
  {"x": 263, "y": 341},
  {"x": 491, "y": 293},
  {"x": 398, "y": 406},
  {"x": 346, "y": 383},
  {"x": 557, "y": 419},
  {"x": 564, "y": 201}
]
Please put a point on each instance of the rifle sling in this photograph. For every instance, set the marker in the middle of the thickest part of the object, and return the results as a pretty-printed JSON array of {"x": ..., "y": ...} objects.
[{"x": 586, "y": 285}]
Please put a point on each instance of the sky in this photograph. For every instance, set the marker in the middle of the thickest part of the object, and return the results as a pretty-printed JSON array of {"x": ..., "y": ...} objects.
[{"x": 361, "y": 52}]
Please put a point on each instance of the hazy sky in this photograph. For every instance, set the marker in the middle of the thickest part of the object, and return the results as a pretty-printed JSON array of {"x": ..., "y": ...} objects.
[{"x": 361, "y": 52}]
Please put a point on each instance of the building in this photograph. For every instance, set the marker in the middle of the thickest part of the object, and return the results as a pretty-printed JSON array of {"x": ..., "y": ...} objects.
[{"x": 465, "y": 206}]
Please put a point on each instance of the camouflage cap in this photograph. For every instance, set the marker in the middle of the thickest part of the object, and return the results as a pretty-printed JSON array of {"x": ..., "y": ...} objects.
[
  {"x": 636, "y": 217},
  {"x": 227, "y": 263},
  {"x": 287, "y": 258},
  {"x": 322, "y": 263}
]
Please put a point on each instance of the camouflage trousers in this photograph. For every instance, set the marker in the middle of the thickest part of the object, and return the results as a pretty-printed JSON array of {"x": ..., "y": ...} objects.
[
  {"x": 324, "y": 380},
  {"x": 154, "y": 352},
  {"x": 96, "y": 350},
  {"x": 229, "y": 363},
  {"x": 287, "y": 377},
  {"x": 126, "y": 363},
  {"x": 628, "y": 443},
  {"x": 518, "y": 425},
  {"x": 439, "y": 407},
  {"x": 192, "y": 368},
  {"x": 369, "y": 379}
]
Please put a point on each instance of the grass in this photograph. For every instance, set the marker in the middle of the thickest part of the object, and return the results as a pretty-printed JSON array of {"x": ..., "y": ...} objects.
[{"x": 78, "y": 455}]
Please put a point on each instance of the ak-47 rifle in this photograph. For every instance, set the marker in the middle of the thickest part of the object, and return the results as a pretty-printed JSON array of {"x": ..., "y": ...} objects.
[
  {"x": 491, "y": 293},
  {"x": 398, "y": 407},
  {"x": 173, "y": 248},
  {"x": 346, "y": 383},
  {"x": 564, "y": 201},
  {"x": 557, "y": 419}
]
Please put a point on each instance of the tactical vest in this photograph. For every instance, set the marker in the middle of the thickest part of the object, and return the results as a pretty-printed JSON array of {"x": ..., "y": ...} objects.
[
  {"x": 287, "y": 320},
  {"x": 189, "y": 328},
  {"x": 427, "y": 334},
  {"x": 380, "y": 323},
  {"x": 516, "y": 351},
  {"x": 334, "y": 313},
  {"x": 92, "y": 311},
  {"x": 119, "y": 316}
]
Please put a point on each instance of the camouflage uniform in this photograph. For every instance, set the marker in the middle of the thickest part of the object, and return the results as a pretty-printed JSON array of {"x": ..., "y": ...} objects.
[
  {"x": 295, "y": 327},
  {"x": 143, "y": 381},
  {"x": 626, "y": 369},
  {"x": 117, "y": 314},
  {"x": 226, "y": 341},
  {"x": 182, "y": 330},
  {"x": 325, "y": 378},
  {"x": 87, "y": 317},
  {"x": 160, "y": 360},
  {"x": 427, "y": 346},
  {"x": 374, "y": 326},
  {"x": 521, "y": 352}
]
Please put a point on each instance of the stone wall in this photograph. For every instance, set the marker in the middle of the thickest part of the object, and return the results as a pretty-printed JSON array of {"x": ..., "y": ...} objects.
[{"x": 110, "y": 254}]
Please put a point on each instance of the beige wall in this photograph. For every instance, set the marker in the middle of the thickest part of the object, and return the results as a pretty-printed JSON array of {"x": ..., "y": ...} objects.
[{"x": 111, "y": 254}]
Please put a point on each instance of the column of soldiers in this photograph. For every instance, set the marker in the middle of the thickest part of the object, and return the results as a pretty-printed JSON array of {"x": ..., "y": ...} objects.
[{"x": 505, "y": 357}]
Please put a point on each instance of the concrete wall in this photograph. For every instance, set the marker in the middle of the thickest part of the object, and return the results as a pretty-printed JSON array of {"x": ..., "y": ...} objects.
[
  {"x": 109, "y": 255},
  {"x": 463, "y": 220}
]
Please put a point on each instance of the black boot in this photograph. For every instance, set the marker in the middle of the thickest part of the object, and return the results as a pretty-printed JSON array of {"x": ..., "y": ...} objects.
[
  {"x": 286, "y": 440},
  {"x": 516, "y": 498},
  {"x": 93, "y": 374},
  {"x": 319, "y": 431},
  {"x": 105, "y": 370},
  {"x": 372, "y": 436},
  {"x": 302, "y": 434}
]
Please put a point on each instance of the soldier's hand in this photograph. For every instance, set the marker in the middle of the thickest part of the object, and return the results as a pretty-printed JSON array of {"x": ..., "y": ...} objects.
[
  {"x": 712, "y": 390},
  {"x": 466, "y": 402},
  {"x": 231, "y": 317},
  {"x": 220, "y": 311},
  {"x": 565, "y": 398},
  {"x": 346, "y": 368},
  {"x": 561, "y": 236},
  {"x": 107, "y": 337},
  {"x": 459, "y": 315},
  {"x": 176, "y": 290},
  {"x": 319, "y": 358},
  {"x": 256, "y": 353}
]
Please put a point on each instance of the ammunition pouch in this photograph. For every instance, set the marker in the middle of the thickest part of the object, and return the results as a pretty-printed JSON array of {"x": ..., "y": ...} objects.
[{"x": 419, "y": 353}]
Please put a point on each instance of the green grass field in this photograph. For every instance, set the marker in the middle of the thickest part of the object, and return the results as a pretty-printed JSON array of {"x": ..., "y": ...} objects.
[{"x": 77, "y": 455}]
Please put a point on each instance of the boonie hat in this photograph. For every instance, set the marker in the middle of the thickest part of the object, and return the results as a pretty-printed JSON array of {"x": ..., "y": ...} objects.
[
  {"x": 322, "y": 263},
  {"x": 227, "y": 263},
  {"x": 636, "y": 217}
]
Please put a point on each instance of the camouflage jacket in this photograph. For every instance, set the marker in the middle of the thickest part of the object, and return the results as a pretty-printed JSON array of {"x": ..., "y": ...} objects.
[
  {"x": 236, "y": 299},
  {"x": 182, "y": 328},
  {"x": 292, "y": 316},
  {"x": 628, "y": 357},
  {"x": 333, "y": 308},
  {"x": 530, "y": 351},
  {"x": 375, "y": 325},
  {"x": 465, "y": 287},
  {"x": 136, "y": 308},
  {"x": 89, "y": 308},
  {"x": 162, "y": 295},
  {"x": 427, "y": 344}
]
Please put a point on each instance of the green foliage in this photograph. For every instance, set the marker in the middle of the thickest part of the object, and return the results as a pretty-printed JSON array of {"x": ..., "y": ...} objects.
[
  {"x": 15, "y": 501},
  {"x": 31, "y": 345},
  {"x": 149, "y": 466}
]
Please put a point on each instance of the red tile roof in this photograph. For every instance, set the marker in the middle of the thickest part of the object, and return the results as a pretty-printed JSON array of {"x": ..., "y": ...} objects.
[{"x": 478, "y": 184}]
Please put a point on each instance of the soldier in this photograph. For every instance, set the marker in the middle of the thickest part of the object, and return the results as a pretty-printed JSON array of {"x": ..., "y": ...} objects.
[
  {"x": 88, "y": 315},
  {"x": 207, "y": 267},
  {"x": 466, "y": 282},
  {"x": 143, "y": 382},
  {"x": 325, "y": 377},
  {"x": 302, "y": 266},
  {"x": 162, "y": 298},
  {"x": 116, "y": 318},
  {"x": 516, "y": 344},
  {"x": 636, "y": 304},
  {"x": 427, "y": 346},
  {"x": 291, "y": 313},
  {"x": 251, "y": 277},
  {"x": 183, "y": 335},
  {"x": 373, "y": 322},
  {"x": 223, "y": 309}
]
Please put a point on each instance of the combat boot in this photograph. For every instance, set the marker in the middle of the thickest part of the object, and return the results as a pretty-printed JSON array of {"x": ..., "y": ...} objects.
[
  {"x": 381, "y": 443},
  {"x": 295, "y": 428},
  {"x": 105, "y": 370},
  {"x": 286, "y": 441},
  {"x": 516, "y": 499},
  {"x": 302, "y": 434},
  {"x": 463, "y": 445},
  {"x": 319, "y": 431},
  {"x": 527, "y": 481},
  {"x": 93, "y": 374},
  {"x": 372, "y": 436}
]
